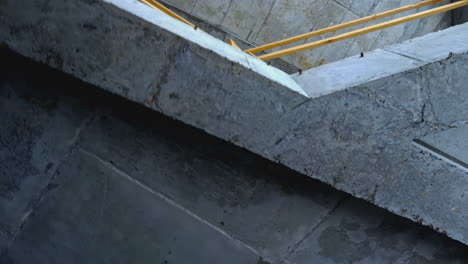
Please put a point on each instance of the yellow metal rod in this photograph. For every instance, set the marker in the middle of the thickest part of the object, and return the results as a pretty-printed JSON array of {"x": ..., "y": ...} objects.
[
  {"x": 166, "y": 10},
  {"x": 341, "y": 26},
  {"x": 234, "y": 44},
  {"x": 362, "y": 31}
]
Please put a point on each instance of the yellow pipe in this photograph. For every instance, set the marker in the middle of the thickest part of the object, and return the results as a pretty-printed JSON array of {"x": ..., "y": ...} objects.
[
  {"x": 341, "y": 26},
  {"x": 166, "y": 10},
  {"x": 362, "y": 31},
  {"x": 234, "y": 44}
]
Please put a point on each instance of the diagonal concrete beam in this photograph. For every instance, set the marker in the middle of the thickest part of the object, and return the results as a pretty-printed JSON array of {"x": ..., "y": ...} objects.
[
  {"x": 132, "y": 50},
  {"x": 350, "y": 124}
]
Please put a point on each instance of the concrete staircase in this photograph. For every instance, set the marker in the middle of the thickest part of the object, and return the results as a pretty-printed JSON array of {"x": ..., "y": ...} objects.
[{"x": 350, "y": 124}]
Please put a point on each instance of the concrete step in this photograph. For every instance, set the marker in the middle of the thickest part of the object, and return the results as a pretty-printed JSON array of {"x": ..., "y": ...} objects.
[{"x": 355, "y": 134}]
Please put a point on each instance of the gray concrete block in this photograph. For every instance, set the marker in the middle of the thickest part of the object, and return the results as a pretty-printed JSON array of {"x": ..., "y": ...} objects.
[
  {"x": 356, "y": 133},
  {"x": 97, "y": 214},
  {"x": 447, "y": 85},
  {"x": 353, "y": 234},
  {"x": 35, "y": 136}
]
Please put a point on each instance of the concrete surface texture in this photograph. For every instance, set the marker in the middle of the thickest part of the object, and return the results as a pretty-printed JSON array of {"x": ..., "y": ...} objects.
[
  {"x": 354, "y": 134},
  {"x": 460, "y": 15},
  {"x": 225, "y": 36},
  {"x": 135, "y": 187},
  {"x": 450, "y": 145},
  {"x": 265, "y": 21}
]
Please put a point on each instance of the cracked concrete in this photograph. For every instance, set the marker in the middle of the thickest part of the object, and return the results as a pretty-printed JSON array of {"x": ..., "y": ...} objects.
[
  {"x": 356, "y": 137},
  {"x": 367, "y": 237},
  {"x": 153, "y": 190}
]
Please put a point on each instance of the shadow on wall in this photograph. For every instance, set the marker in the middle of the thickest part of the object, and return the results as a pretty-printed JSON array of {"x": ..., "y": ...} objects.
[{"x": 460, "y": 15}]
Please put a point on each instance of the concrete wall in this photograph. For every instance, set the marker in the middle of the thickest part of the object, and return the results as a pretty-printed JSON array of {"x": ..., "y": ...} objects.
[
  {"x": 353, "y": 131},
  {"x": 112, "y": 188},
  {"x": 460, "y": 15},
  {"x": 266, "y": 21},
  {"x": 223, "y": 35}
]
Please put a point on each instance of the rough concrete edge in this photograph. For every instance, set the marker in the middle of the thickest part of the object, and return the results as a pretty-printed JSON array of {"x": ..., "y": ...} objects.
[
  {"x": 395, "y": 48},
  {"x": 335, "y": 87},
  {"x": 439, "y": 154},
  {"x": 426, "y": 221},
  {"x": 279, "y": 63},
  {"x": 208, "y": 42},
  {"x": 418, "y": 62}
]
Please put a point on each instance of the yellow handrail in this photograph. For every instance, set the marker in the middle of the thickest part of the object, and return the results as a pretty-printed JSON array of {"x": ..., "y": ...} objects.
[
  {"x": 162, "y": 8},
  {"x": 326, "y": 41},
  {"x": 362, "y": 31},
  {"x": 341, "y": 26},
  {"x": 166, "y": 10},
  {"x": 234, "y": 44}
]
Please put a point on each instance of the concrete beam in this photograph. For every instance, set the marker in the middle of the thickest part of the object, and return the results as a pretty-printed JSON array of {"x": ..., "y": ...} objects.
[
  {"x": 225, "y": 36},
  {"x": 132, "y": 50},
  {"x": 355, "y": 134}
]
